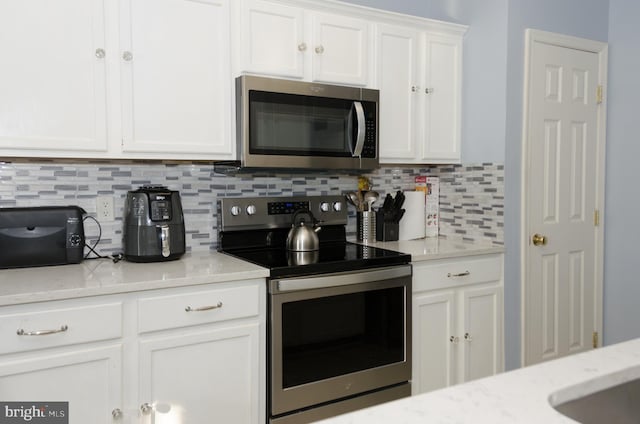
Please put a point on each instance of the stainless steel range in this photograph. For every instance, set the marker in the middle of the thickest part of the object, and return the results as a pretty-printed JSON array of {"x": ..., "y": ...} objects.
[{"x": 339, "y": 324}]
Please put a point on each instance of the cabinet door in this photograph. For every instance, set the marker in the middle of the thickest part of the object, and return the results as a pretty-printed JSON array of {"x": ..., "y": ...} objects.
[
  {"x": 89, "y": 379},
  {"x": 176, "y": 84},
  {"x": 397, "y": 80},
  {"x": 482, "y": 331},
  {"x": 442, "y": 106},
  {"x": 339, "y": 52},
  {"x": 201, "y": 377},
  {"x": 434, "y": 341},
  {"x": 52, "y": 90},
  {"x": 272, "y": 39}
]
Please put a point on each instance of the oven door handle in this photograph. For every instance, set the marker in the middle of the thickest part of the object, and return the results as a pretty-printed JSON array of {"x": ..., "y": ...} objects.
[{"x": 339, "y": 279}]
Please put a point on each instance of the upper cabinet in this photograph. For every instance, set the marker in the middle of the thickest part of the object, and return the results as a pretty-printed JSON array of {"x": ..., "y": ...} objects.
[
  {"x": 175, "y": 78},
  {"x": 284, "y": 40},
  {"x": 154, "y": 79},
  {"x": 100, "y": 79},
  {"x": 53, "y": 85},
  {"x": 419, "y": 74}
]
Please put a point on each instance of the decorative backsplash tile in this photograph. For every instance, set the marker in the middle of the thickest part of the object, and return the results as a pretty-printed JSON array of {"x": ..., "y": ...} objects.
[{"x": 471, "y": 196}]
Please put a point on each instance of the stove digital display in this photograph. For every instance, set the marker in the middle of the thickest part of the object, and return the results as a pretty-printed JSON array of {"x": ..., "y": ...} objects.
[{"x": 286, "y": 208}]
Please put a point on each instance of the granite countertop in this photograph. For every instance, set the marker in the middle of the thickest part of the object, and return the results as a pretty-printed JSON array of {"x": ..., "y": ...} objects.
[
  {"x": 430, "y": 248},
  {"x": 102, "y": 276},
  {"x": 520, "y": 396}
]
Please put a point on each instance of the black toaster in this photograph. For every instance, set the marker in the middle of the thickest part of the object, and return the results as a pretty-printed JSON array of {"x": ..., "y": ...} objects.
[{"x": 37, "y": 236}]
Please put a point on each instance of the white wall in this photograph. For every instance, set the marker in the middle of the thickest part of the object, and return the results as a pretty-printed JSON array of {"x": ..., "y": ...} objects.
[{"x": 622, "y": 227}]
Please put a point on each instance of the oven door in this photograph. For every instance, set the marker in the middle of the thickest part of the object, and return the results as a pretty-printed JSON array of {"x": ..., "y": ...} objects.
[{"x": 338, "y": 335}]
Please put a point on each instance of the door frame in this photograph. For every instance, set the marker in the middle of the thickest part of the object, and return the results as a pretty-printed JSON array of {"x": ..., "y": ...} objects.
[{"x": 601, "y": 49}]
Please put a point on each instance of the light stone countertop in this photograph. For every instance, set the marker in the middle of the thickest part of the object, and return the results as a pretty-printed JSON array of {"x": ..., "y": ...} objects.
[
  {"x": 101, "y": 276},
  {"x": 430, "y": 248},
  {"x": 520, "y": 396}
]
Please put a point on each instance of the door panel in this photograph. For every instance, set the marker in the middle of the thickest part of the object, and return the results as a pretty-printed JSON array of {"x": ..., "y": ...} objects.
[{"x": 561, "y": 280}]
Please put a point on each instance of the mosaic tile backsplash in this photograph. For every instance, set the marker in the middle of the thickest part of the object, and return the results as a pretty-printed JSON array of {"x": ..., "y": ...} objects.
[{"x": 471, "y": 196}]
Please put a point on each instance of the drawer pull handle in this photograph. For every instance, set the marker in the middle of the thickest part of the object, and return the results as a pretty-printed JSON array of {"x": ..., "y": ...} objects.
[
  {"x": 203, "y": 308},
  {"x": 21, "y": 332},
  {"x": 462, "y": 274}
]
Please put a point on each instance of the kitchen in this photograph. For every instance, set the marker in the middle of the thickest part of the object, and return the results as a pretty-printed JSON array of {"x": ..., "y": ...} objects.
[{"x": 491, "y": 105}]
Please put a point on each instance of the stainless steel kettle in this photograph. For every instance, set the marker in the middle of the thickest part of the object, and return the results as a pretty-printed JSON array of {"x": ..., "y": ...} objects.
[{"x": 302, "y": 236}]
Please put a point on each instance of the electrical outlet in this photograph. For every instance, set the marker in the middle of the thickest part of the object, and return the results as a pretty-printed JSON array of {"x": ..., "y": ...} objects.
[{"x": 105, "y": 208}]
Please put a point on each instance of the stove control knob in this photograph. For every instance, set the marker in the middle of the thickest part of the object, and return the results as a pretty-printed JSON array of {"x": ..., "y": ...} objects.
[
  {"x": 337, "y": 206},
  {"x": 235, "y": 210},
  {"x": 324, "y": 207},
  {"x": 251, "y": 210}
]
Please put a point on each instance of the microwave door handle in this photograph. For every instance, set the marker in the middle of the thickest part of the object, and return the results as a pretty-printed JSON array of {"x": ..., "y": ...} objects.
[{"x": 360, "y": 119}]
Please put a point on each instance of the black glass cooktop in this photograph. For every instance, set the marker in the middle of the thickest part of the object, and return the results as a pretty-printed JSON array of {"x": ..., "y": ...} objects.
[{"x": 331, "y": 257}]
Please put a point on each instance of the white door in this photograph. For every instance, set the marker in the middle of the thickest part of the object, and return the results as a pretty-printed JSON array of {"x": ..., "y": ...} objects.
[
  {"x": 397, "y": 80},
  {"x": 442, "y": 94},
  {"x": 52, "y": 89},
  {"x": 88, "y": 378},
  {"x": 340, "y": 49},
  {"x": 272, "y": 39},
  {"x": 202, "y": 377},
  {"x": 435, "y": 341},
  {"x": 481, "y": 334},
  {"x": 562, "y": 292},
  {"x": 176, "y": 84}
]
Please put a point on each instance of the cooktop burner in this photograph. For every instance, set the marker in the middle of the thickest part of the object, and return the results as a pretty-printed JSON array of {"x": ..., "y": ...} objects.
[
  {"x": 255, "y": 229},
  {"x": 331, "y": 257}
]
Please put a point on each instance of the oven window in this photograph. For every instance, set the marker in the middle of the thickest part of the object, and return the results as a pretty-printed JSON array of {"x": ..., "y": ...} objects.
[
  {"x": 287, "y": 124},
  {"x": 331, "y": 336}
]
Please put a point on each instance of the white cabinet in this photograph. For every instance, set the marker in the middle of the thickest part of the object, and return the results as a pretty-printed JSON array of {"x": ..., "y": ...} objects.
[
  {"x": 130, "y": 79},
  {"x": 53, "y": 85},
  {"x": 419, "y": 74},
  {"x": 190, "y": 355},
  {"x": 175, "y": 77},
  {"x": 284, "y": 40},
  {"x": 204, "y": 363},
  {"x": 457, "y": 321},
  {"x": 64, "y": 352}
]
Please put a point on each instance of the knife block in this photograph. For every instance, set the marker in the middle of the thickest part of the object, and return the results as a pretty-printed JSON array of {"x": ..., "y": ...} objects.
[{"x": 386, "y": 230}]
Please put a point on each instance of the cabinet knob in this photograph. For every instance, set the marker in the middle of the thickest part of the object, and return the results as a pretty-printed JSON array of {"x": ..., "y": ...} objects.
[
  {"x": 428, "y": 91},
  {"x": 302, "y": 47},
  {"x": 116, "y": 413},
  {"x": 454, "y": 339},
  {"x": 467, "y": 337},
  {"x": 100, "y": 53},
  {"x": 127, "y": 56},
  {"x": 320, "y": 49},
  {"x": 146, "y": 408},
  {"x": 414, "y": 88}
]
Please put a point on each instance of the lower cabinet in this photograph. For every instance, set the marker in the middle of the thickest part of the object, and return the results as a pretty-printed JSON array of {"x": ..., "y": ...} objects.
[
  {"x": 184, "y": 355},
  {"x": 457, "y": 321},
  {"x": 88, "y": 378}
]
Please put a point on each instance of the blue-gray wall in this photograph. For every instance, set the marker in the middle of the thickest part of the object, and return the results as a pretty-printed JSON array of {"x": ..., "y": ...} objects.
[
  {"x": 492, "y": 118},
  {"x": 622, "y": 228}
]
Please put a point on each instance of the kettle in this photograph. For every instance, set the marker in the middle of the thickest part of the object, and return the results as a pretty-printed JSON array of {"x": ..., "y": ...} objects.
[{"x": 302, "y": 237}]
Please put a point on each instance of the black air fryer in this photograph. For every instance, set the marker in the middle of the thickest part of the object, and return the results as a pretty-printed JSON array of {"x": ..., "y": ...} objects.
[{"x": 153, "y": 225}]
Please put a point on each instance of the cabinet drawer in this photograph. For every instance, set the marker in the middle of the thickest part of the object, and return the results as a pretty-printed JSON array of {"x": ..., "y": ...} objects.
[
  {"x": 201, "y": 307},
  {"x": 430, "y": 275},
  {"x": 59, "y": 326}
]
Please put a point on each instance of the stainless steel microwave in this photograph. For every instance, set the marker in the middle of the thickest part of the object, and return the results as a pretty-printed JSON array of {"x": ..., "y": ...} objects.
[{"x": 294, "y": 124}]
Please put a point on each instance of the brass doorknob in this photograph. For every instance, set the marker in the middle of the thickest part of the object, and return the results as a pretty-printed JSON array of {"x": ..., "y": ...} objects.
[{"x": 539, "y": 240}]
